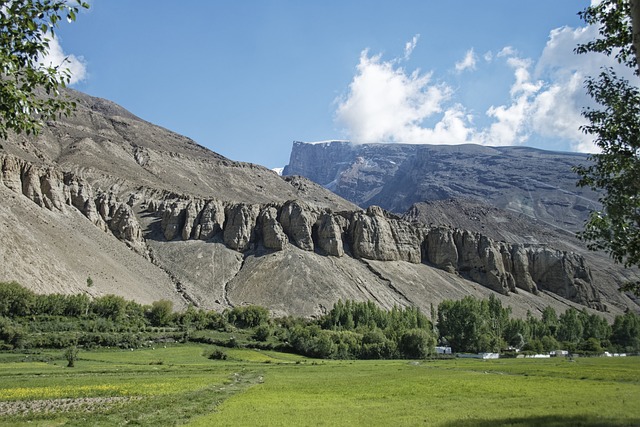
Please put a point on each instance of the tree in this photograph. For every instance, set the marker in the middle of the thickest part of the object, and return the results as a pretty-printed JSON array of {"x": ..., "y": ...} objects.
[
  {"x": 416, "y": 344},
  {"x": 570, "y": 327},
  {"x": 616, "y": 128},
  {"x": 110, "y": 307},
  {"x": 71, "y": 354},
  {"x": 15, "y": 300},
  {"x": 626, "y": 332},
  {"x": 29, "y": 88},
  {"x": 160, "y": 313}
]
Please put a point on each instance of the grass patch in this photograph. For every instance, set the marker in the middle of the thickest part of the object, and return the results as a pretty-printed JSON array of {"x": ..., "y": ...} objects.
[{"x": 252, "y": 387}]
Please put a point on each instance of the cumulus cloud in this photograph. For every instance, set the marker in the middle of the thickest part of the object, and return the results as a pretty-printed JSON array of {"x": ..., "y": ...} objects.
[
  {"x": 386, "y": 103},
  {"x": 467, "y": 63},
  {"x": 56, "y": 57}
]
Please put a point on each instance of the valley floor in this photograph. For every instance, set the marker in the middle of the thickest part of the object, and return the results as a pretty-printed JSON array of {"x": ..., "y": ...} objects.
[{"x": 180, "y": 385}]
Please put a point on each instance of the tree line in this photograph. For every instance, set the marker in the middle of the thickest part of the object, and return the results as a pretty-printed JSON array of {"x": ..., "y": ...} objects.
[{"x": 350, "y": 330}]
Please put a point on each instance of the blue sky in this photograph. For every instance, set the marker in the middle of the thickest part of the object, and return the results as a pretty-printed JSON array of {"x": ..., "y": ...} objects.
[{"x": 246, "y": 78}]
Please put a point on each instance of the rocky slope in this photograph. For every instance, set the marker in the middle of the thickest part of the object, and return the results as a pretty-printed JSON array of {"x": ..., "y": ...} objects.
[
  {"x": 536, "y": 183},
  {"x": 149, "y": 214}
]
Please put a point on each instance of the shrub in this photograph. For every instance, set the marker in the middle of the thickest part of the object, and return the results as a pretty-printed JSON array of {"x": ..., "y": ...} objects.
[
  {"x": 71, "y": 355},
  {"x": 217, "y": 354},
  {"x": 262, "y": 333},
  {"x": 416, "y": 344},
  {"x": 248, "y": 316}
]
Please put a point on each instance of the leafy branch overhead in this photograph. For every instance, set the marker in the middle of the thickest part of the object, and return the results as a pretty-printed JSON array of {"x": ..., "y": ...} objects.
[
  {"x": 29, "y": 87},
  {"x": 615, "y": 126}
]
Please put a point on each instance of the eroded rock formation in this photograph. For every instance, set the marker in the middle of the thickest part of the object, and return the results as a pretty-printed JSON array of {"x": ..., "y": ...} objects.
[
  {"x": 58, "y": 191},
  {"x": 378, "y": 235},
  {"x": 373, "y": 234}
]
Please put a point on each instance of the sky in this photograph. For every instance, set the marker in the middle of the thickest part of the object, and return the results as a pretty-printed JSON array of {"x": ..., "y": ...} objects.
[{"x": 247, "y": 78}]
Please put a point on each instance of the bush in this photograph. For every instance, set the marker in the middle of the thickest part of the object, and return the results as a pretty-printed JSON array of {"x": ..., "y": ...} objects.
[
  {"x": 249, "y": 316},
  {"x": 160, "y": 312},
  {"x": 416, "y": 344},
  {"x": 71, "y": 355},
  {"x": 262, "y": 333},
  {"x": 217, "y": 354}
]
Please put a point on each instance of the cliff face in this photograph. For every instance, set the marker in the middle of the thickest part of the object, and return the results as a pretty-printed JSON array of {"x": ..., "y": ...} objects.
[
  {"x": 537, "y": 183},
  {"x": 373, "y": 234},
  {"x": 377, "y": 235},
  {"x": 150, "y": 215}
]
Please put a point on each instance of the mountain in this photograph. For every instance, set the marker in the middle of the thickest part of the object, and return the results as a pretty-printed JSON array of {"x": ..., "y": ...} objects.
[
  {"x": 519, "y": 195},
  {"x": 536, "y": 183},
  {"x": 149, "y": 214}
]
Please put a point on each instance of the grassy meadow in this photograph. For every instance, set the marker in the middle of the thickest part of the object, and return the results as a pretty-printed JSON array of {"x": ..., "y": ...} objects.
[{"x": 179, "y": 385}]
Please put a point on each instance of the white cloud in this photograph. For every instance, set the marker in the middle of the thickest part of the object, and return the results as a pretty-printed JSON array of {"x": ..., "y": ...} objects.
[
  {"x": 56, "y": 57},
  {"x": 468, "y": 62},
  {"x": 409, "y": 46},
  {"x": 385, "y": 103},
  {"x": 507, "y": 51}
]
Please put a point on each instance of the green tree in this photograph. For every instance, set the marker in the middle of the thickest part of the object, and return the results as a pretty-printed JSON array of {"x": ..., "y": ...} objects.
[
  {"x": 616, "y": 127},
  {"x": 416, "y": 344},
  {"x": 110, "y": 307},
  {"x": 29, "y": 89},
  {"x": 248, "y": 316},
  {"x": 625, "y": 332},
  {"x": 15, "y": 300},
  {"x": 71, "y": 354},
  {"x": 570, "y": 327},
  {"x": 160, "y": 313},
  {"x": 462, "y": 324}
]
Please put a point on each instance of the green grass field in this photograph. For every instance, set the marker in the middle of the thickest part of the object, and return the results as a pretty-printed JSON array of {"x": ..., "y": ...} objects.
[{"x": 180, "y": 385}]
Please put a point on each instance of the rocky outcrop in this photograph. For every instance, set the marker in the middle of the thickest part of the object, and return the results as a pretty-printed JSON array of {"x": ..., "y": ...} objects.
[
  {"x": 537, "y": 183},
  {"x": 273, "y": 235},
  {"x": 563, "y": 273},
  {"x": 330, "y": 234},
  {"x": 56, "y": 190},
  {"x": 240, "y": 227},
  {"x": 375, "y": 234},
  {"x": 297, "y": 221},
  {"x": 210, "y": 220}
]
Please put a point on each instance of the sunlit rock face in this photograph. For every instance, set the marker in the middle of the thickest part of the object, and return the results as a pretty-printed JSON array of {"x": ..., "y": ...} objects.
[{"x": 537, "y": 183}]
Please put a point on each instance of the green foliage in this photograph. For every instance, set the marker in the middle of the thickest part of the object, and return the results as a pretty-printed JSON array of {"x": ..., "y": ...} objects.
[
  {"x": 351, "y": 330},
  {"x": 11, "y": 334},
  {"x": 570, "y": 327},
  {"x": 612, "y": 18},
  {"x": 29, "y": 89},
  {"x": 416, "y": 344},
  {"x": 160, "y": 313},
  {"x": 217, "y": 354},
  {"x": 61, "y": 305},
  {"x": 375, "y": 345},
  {"x": 248, "y": 316},
  {"x": 262, "y": 332},
  {"x": 626, "y": 332},
  {"x": 111, "y": 307},
  {"x": 472, "y": 325},
  {"x": 71, "y": 355},
  {"x": 591, "y": 346},
  {"x": 616, "y": 128},
  {"x": 15, "y": 300}
]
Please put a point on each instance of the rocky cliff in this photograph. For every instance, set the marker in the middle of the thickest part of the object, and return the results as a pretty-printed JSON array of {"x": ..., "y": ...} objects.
[
  {"x": 536, "y": 183},
  {"x": 148, "y": 214},
  {"x": 375, "y": 234}
]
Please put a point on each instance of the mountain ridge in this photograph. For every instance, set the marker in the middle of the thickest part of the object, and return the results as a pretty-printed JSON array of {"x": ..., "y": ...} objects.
[{"x": 148, "y": 214}]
